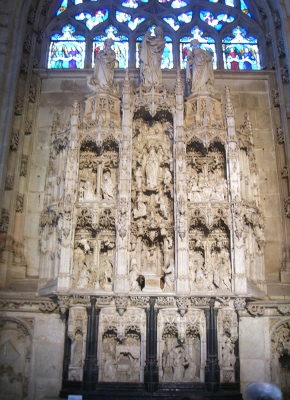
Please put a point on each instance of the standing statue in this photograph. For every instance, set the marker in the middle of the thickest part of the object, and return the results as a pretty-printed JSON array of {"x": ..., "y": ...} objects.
[
  {"x": 201, "y": 72},
  {"x": 77, "y": 356},
  {"x": 104, "y": 66},
  {"x": 152, "y": 169},
  {"x": 108, "y": 187},
  {"x": 169, "y": 276},
  {"x": 151, "y": 56}
]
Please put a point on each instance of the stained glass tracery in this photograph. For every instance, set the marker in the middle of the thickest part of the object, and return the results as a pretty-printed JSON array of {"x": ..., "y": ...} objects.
[
  {"x": 67, "y": 50},
  {"x": 92, "y": 20},
  {"x": 240, "y": 51},
  {"x": 180, "y": 15},
  {"x": 217, "y": 21}
]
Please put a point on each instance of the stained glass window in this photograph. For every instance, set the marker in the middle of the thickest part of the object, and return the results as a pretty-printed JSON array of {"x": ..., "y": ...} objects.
[
  {"x": 206, "y": 43},
  {"x": 240, "y": 52},
  {"x": 63, "y": 7},
  {"x": 178, "y": 4},
  {"x": 177, "y": 16},
  {"x": 174, "y": 24},
  {"x": 93, "y": 20},
  {"x": 120, "y": 46},
  {"x": 245, "y": 8},
  {"x": 185, "y": 17},
  {"x": 217, "y": 22},
  {"x": 133, "y": 3},
  {"x": 127, "y": 18},
  {"x": 66, "y": 50}
]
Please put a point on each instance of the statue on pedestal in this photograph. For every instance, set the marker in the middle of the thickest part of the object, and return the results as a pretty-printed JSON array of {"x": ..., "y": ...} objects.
[
  {"x": 105, "y": 60},
  {"x": 199, "y": 71},
  {"x": 150, "y": 57}
]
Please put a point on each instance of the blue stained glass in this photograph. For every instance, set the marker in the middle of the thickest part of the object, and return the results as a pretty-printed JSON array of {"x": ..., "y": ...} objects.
[
  {"x": 213, "y": 1},
  {"x": 78, "y": 1},
  {"x": 133, "y": 3},
  {"x": 218, "y": 22},
  {"x": 66, "y": 50},
  {"x": 175, "y": 25},
  {"x": 230, "y": 3},
  {"x": 93, "y": 20},
  {"x": 130, "y": 3},
  {"x": 241, "y": 57},
  {"x": 239, "y": 36},
  {"x": 225, "y": 18},
  {"x": 122, "y": 17},
  {"x": 82, "y": 16},
  {"x": 240, "y": 52},
  {"x": 185, "y": 17},
  {"x": 62, "y": 8},
  {"x": 178, "y": 4},
  {"x": 245, "y": 8},
  {"x": 136, "y": 21},
  {"x": 167, "y": 56},
  {"x": 197, "y": 33}
]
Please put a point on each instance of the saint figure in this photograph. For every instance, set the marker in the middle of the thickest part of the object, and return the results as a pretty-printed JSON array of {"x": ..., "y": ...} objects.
[
  {"x": 151, "y": 56},
  {"x": 104, "y": 66},
  {"x": 199, "y": 69}
]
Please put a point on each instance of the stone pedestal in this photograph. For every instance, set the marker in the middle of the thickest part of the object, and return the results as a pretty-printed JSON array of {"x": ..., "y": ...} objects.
[{"x": 152, "y": 282}]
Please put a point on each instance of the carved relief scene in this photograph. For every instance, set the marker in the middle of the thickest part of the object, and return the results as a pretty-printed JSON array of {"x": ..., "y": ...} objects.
[
  {"x": 94, "y": 249},
  {"x": 206, "y": 172},
  {"x": 180, "y": 347},
  {"x": 209, "y": 250},
  {"x": 152, "y": 248},
  {"x": 121, "y": 346},
  {"x": 280, "y": 349}
]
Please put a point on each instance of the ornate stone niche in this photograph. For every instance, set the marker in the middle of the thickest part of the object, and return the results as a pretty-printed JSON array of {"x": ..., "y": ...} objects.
[
  {"x": 15, "y": 349},
  {"x": 152, "y": 252},
  {"x": 209, "y": 251},
  {"x": 280, "y": 370},
  {"x": 94, "y": 256},
  {"x": 206, "y": 172},
  {"x": 98, "y": 167},
  {"x": 77, "y": 330},
  {"x": 254, "y": 239},
  {"x": 227, "y": 337},
  {"x": 181, "y": 347},
  {"x": 122, "y": 345}
]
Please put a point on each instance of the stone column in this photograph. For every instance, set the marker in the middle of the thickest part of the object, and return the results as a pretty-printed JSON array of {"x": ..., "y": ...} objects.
[
  {"x": 233, "y": 176},
  {"x": 66, "y": 352},
  {"x": 121, "y": 284},
  {"x": 91, "y": 370},
  {"x": 180, "y": 214},
  {"x": 212, "y": 371},
  {"x": 151, "y": 374},
  {"x": 237, "y": 355}
]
